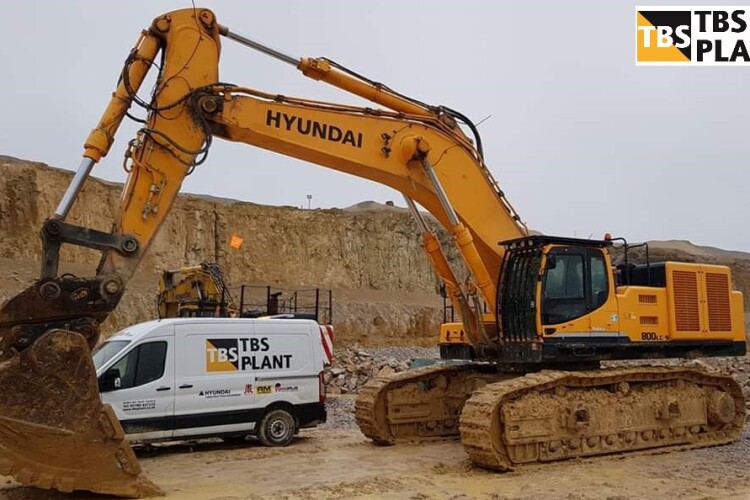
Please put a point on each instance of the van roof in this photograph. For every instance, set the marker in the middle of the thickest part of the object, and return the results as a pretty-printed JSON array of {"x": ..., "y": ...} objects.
[{"x": 139, "y": 329}]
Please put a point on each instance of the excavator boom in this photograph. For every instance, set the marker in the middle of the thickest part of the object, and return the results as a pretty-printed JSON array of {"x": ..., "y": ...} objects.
[{"x": 61, "y": 436}]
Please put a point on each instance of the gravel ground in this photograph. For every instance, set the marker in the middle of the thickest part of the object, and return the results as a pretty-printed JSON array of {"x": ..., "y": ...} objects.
[
  {"x": 340, "y": 413},
  {"x": 340, "y": 407}
]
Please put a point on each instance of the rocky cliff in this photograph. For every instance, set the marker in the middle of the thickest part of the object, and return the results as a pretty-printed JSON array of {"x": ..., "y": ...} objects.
[{"x": 384, "y": 290}]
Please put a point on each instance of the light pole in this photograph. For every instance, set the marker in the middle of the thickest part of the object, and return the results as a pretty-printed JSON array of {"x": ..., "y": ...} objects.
[{"x": 309, "y": 198}]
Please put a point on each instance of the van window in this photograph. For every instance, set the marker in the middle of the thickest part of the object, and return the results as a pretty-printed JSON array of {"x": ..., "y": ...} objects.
[
  {"x": 142, "y": 365},
  {"x": 107, "y": 351}
]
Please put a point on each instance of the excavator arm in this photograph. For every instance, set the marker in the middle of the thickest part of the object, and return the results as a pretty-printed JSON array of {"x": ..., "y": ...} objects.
[
  {"x": 54, "y": 430},
  {"x": 47, "y": 330}
]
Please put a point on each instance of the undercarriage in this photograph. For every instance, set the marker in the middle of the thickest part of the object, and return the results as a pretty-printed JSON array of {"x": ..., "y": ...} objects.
[{"x": 509, "y": 419}]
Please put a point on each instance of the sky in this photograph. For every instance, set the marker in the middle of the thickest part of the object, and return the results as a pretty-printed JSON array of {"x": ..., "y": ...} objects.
[{"x": 581, "y": 140}]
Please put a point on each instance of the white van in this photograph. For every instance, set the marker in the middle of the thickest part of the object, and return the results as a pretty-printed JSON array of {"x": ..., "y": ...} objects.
[{"x": 182, "y": 378}]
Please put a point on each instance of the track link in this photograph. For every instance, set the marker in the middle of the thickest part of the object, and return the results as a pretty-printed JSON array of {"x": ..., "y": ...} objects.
[
  {"x": 556, "y": 415},
  {"x": 420, "y": 404}
]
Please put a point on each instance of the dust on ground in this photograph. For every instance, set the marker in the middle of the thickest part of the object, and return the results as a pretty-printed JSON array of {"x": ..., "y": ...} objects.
[{"x": 339, "y": 463}]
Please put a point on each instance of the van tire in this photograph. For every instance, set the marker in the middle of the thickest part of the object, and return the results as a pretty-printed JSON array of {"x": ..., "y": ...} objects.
[{"x": 277, "y": 428}]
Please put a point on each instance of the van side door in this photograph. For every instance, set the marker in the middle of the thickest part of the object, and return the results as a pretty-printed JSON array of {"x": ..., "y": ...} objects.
[
  {"x": 140, "y": 388},
  {"x": 215, "y": 387}
]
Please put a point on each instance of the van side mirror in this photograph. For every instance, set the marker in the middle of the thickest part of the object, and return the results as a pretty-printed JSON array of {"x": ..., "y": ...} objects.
[{"x": 110, "y": 380}]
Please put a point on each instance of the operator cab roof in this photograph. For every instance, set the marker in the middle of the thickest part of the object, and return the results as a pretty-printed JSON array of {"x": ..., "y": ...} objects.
[{"x": 536, "y": 241}]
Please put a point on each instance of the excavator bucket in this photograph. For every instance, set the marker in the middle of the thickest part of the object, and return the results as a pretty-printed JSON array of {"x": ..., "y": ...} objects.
[{"x": 55, "y": 433}]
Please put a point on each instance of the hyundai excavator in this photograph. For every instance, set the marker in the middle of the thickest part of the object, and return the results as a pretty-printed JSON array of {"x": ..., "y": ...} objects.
[
  {"x": 533, "y": 390},
  {"x": 195, "y": 291}
]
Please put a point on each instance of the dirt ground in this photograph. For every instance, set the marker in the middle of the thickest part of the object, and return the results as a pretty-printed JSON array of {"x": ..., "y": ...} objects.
[{"x": 341, "y": 464}]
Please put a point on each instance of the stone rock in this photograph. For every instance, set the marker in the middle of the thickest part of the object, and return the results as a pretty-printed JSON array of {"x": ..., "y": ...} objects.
[{"x": 386, "y": 371}]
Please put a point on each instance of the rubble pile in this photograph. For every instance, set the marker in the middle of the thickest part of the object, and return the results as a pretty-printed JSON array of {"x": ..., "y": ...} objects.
[{"x": 353, "y": 367}]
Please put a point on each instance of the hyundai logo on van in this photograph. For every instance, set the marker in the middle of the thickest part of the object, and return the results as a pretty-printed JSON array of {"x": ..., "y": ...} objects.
[{"x": 243, "y": 354}]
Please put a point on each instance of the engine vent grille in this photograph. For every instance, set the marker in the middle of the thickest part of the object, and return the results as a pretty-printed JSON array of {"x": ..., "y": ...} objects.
[
  {"x": 649, "y": 320},
  {"x": 719, "y": 308},
  {"x": 686, "y": 307},
  {"x": 646, "y": 298}
]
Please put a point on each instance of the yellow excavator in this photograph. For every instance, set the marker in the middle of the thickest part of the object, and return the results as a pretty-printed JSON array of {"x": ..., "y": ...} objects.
[
  {"x": 533, "y": 390},
  {"x": 195, "y": 291}
]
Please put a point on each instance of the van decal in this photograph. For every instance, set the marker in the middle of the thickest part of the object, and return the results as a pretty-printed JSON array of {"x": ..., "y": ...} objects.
[
  {"x": 218, "y": 393},
  {"x": 243, "y": 354},
  {"x": 263, "y": 389},
  {"x": 285, "y": 388},
  {"x": 138, "y": 405},
  {"x": 248, "y": 390}
]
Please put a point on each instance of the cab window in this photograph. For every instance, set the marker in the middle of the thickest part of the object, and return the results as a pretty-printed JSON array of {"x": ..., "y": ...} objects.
[
  {"x": 565, "y": 279},
  {"x": 575, "y": 283},
  {"x": 599, "y": 283},
  {"x": 564, "y": 296},
  {"x": 142, "y": 365}
]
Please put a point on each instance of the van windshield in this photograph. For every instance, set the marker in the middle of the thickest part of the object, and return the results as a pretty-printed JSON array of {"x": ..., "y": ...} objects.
[{"x": 107, "y": 351}]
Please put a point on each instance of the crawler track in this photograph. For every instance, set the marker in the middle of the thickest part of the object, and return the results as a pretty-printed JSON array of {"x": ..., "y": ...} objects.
[
  {"x": 419, "y": 404},
  {"x": 555, "y": 415}
]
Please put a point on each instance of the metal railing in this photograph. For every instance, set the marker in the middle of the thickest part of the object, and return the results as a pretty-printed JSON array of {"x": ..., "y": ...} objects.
[{"x": 308, "y": 303}]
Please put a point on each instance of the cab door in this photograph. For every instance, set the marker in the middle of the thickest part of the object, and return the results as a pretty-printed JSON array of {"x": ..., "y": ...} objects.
[
  {"x": 140, "y": 388},
  {"x": 575, "y": 285}
]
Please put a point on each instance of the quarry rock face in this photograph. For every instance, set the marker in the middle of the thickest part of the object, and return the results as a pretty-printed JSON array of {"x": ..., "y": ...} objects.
[
  {"x": 376, "y": 252},
  {"x": 334, "y": 248},
  {"x": 384, "y": 290}
]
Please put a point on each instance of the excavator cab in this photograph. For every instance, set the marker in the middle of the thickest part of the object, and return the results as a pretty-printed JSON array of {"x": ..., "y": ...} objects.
[
  {"x": 561, "y": 301},
  {"x": 546, "y": 284},
  {"x": 564, "y": 279}
]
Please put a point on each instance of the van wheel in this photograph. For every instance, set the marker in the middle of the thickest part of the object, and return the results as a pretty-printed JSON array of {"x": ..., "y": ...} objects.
[{"x": 277, "y": 428}]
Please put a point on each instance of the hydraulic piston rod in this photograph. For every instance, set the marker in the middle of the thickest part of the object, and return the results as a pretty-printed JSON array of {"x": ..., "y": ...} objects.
[
  {"x": 463, "y": 237},
  {"x": 265, "y": 49},
  {"x": 322, "y": 69},
  {"x": 100, "y": 139},
  {"x": 84, "y": 169},
  {"x": 440, "y": 264}
]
